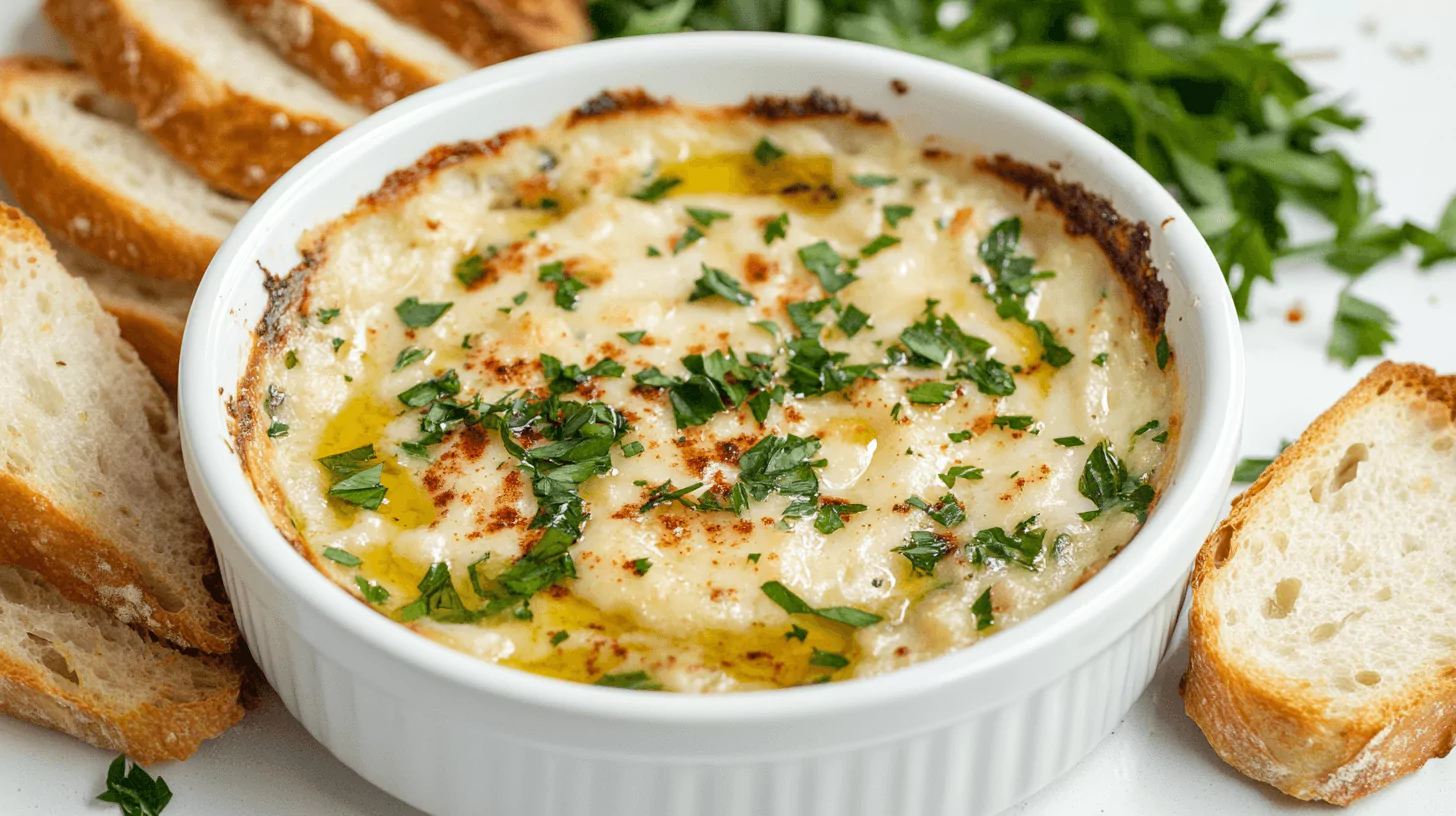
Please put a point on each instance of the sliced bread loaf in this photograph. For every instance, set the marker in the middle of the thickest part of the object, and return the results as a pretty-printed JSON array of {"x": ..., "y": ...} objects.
[
  {"x": 490, "y": 31},
  {"x": 92, "y": 490},
  {"x": 72, "y": 667},
  {"x": 353, "y": 48},
  {"x": 208, "y": 88},
  {"x": 100, "y": 182},
  {"x": 1323, "y": 626},
  {"x": 150, "y": 313}
]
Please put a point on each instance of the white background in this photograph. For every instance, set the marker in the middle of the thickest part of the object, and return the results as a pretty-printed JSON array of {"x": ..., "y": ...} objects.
[{"x": 1395, "y": 60}]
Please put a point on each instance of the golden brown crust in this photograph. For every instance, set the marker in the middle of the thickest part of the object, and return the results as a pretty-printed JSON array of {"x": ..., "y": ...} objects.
[
  {"x": 1125, "y": 243},
  {"x": 235, "y": 142},
  {"x": 65, "y": 200},
  {"x": 489, "y": 31},
  {"x": 42, "y": 537},
  {"x": 333, "y": 53},
  {"x": 1273, "y": 728},
  {"x": 147, "y": 734}
]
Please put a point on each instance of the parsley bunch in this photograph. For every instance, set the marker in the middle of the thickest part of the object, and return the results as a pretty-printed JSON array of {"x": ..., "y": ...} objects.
[{"x": 1221, "y": 118}]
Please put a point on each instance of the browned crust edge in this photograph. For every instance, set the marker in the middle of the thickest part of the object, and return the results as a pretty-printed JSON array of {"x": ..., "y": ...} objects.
[
  {"x": 486, "y": 32},
  {"x": 237, "y": 143},
  {"x": 374, "y": 79},
  {"x": 1125, "y": 243},
  {"x": 148, "y": 734},
  {"x": 1270, "y": 727},
  {"x": 62, "y": 197}
]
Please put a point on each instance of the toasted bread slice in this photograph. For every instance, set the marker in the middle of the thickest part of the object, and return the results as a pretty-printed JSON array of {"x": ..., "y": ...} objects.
[
  {"x": 76, "y": 669},
  {"x": 150, "y": 313},
  {"x": 353, "y": 48},
  {"x": 92, "y": 490},
  {"x": 1323, "y": 626},
  {"x": 206, "y": 87},
  {"x": 490, "y": 31},
  {"x": 100, "y": 182}
]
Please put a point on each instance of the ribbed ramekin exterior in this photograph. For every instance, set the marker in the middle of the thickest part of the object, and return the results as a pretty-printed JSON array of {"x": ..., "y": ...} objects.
[{"x": 422, "y": 751}]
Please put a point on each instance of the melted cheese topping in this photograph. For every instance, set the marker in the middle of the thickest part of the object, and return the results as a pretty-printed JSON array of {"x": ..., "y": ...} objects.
[{"x": 676, "y": 593}]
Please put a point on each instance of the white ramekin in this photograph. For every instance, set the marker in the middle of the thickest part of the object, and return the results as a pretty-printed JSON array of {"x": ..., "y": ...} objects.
[{"x": 969, "y": 733}]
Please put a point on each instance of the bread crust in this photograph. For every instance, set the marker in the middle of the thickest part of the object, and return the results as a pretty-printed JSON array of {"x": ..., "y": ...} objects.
[
  {"x": 338, "y": 56},
  {"x": 1273, "y": 728},
  {"x": 64, "y": 198},
  {"x": 148, "y": 733},
  {"x": 490, "y": 31},
  {"x": 157, "y": 338},
  {"x": 237, "y": 143}
]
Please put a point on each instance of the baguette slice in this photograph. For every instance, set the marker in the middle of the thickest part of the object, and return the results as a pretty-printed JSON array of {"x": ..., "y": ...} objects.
[
  {"x": 100, "y": 182},
  {"x": 205, "y": 86},
  {"x": 73, "y": 668},
  {"x": 353, "y": 48},
  {"x": 1323, "y": 626},
  {"x": 150, "y": 313},
  {"x": 92, "y": 491},
  {"x": 490, "y": 31}
]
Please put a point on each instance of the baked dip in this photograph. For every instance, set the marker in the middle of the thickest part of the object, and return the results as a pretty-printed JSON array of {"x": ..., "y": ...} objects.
[{"x": 713, "y": 398}]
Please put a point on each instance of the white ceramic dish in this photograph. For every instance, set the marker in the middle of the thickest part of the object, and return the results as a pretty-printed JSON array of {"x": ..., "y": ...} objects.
[{"x": 969, "y": 733}]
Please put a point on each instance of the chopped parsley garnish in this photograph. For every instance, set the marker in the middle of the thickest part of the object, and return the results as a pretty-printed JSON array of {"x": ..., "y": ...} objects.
[
  {"x": 337, "y": 343},
  {"x": 655, "y": 191},
  {"x": 372, "y": 592},
  {"x": 794, "y": 605},
  {"x": 665, "y": 493},
  {"x": 363, "y": 489},
  {"x": 828, "y": 660},
  {"x": 632, "y": 337},
  {"x": 344, "y": 557},
  {"x": 720, "y": 283},
  {"x": 690, "y": 236},
  {"x": 654, "y": 252},
  {"x": 518, "y": 298},
  {"x": 874, "y": 247},
  {"x": 634, "y": 680},
  {"x": 948, "y": 511},
  {"x": 641, "y": 565},
  {"x": 349, "y": 462},
  {"x": 564, "y": 379},
  {"x": 438, "y": 599},
  {"x": 1016, "y": 422},
  {"x": 568, "y": 288},
  {"x": 326, "y": 315},
  {"x": 931, "y": 393},
  {"x": 812, "y": 368},
  {"x": 852, "y": 320},
  {"x": 1022, "y": 546},
  {"x": 872, "y": 180},
  {"x": 960, "y": 436},
  {"x": 766, "y": 152},
  {"x": 716, "y": 382},
  {"x": 924, "y": 550},
  {"x": 470, "y": 269},
  {"x": 134, "y": 790},
  {"x": 1151, "y": 424},
  {"x": 753, "y": 557},
  {"x": 830, "y": 517},
  {"x": 1100, "y": 360},
  {"x": 821, "y": 260},
  {"x": 290, "y": 360},
  {"x": 796, "y": 632},
  {"x": 707, "y": 217},
  {"x": 1361, "y": 330},
  {"x": 782, "y": 464},
  {"x": 560, "y": 637},
  {"x": 1161, "y": 438},
  {"x": 409, "y": 355},
  {"x": 895, "y": 213},
  {"x": 1013, "y": 280},
  {"x": 776, "y": 229},
  {"x": 1163, "y": 353},
  {"x": 445, "y": 385},
  {"x": 982, "y": 610},
  {"x": 937, "y": 341},
  {"x": 1106, "y": 482},
  {"x": 277, "y": 430},
  {"x": 418, "y": 315},
  {"x": 1069, "y": 441},
  {"x": 968, "y": 472}
]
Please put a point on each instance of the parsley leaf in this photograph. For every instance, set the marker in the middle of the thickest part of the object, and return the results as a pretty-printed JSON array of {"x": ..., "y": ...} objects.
[
  {"x": 707, "y": 217},
  {"x": 895, "y": 213},
  {"x": 634, "y": 680},
  {"x": 852, "y": 320},
  {"x": 445, "y": 385},
  {"x": 924, "y": 550},
  {"x": 632, "y": 337},
  {"x": 830, "y": 516},
  {"x": 821, "y": 260},
  {"x": 828, "y": 660},
  {"x": 931, "y": 393},
  {"x": 1022, "y": 546},
  {"x": 967, "y": 472},
  {"x": 372, "y": 592},
  {"x": 363, "y": 489},
  {"x": 418, "y": 315},
  {"x": 326, "y": 315},
  {"x": 766, "y": 152},
  {"x": 470, "y": 269},
  {"x": 690, "y": 236},
  {"x": 438, "y": 599},
  {"x": 134, "y": 790},
  {"x": 562, "y": 379},
  {"x": 982, "y": 610},
  {"x": 1015, "y": 422},
  {"x": 794, "y": 605},
  {"x": 1106, "y": 482},
  {"x": 1069, "y": 441},
  {"x": 1361, "y": 330},
  {"x": 1012, "y": 281},
  {"x": 776, "y": 229},
  {"x": 720, "y": 283},
  {"x": 874, "y": 247},
  {"x": 409, "y": 355},
  {"x": 568, "y": 288},
  {"x": 343, "y": 557},
  {"x": 655, "y": 191},
  {"x": 872, "y": 180}
]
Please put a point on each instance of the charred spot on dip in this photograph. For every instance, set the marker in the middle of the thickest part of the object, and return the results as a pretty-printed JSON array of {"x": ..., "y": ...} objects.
[{"x": 747, "y": 397}]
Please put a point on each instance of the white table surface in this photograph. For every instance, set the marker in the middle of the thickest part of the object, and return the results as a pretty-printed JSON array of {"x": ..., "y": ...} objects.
[{"x": 1396, "y": 61}]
